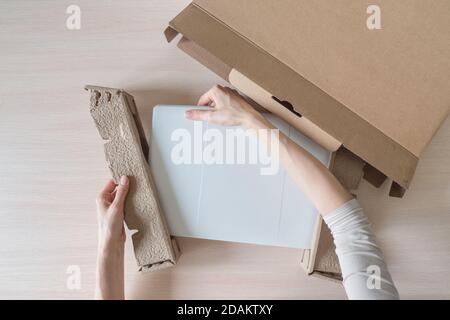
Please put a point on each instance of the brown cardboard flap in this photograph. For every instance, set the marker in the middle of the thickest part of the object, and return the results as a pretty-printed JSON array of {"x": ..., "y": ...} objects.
[
  {"x": 170, "y": 34},
  {"x": 356, "y": 134},
  {"x": 335, "y": 277},
  {"x": 308, "y": 256},
  {"x": 204, "y": 57},
  {"x": 373, "y": 176},
  {"x": 321, "y": 259},
  {"x": 326, "y": 259},
  {"x": 266, "y": 100},
  {"x": 348, "y": 169},
  {"x": 396, "y": 190}
]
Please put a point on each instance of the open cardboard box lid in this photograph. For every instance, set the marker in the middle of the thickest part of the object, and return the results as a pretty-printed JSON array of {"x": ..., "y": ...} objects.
[{"x": 380, "y": 94}]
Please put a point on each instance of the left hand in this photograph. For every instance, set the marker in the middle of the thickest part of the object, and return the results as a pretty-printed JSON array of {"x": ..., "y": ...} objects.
[{"x": 110, "y": 214}]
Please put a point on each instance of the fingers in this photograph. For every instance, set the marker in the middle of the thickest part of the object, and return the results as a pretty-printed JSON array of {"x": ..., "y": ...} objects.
[
  {"x": 206, "y": 99},
  {"x": 109, "y": 187},
  {"x": 106, "y": 194},
  {"x": 201, "y": 115},
  {"x": 121, "y": 192},
  {"x": 209, "y": 97}
]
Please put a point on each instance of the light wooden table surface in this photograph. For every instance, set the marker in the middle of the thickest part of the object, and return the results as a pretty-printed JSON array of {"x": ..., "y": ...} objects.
[{"x": 52, "y": 166}]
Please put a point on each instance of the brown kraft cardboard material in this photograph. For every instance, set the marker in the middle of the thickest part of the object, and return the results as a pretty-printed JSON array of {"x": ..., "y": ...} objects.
[
  {"x": 115, "y": 115},
  {"x": 382, "y": 94}
]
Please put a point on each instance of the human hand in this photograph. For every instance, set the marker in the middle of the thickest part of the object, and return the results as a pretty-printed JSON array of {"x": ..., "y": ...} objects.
[
  {"x": 228, "y": 108},
  {"x": 110, "y": 214}
]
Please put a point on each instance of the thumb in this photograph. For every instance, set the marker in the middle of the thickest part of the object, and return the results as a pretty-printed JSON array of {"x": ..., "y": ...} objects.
[{"x": 121, "y": 191}]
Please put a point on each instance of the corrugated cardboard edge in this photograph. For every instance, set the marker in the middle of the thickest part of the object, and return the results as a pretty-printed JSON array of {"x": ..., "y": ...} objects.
[
  {"x": 117, "y": 120},
  {"x": 221, "y": 41}
]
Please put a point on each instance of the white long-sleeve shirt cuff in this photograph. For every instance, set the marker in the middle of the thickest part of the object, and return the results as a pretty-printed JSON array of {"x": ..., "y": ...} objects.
[{"x": 365, "y": 274}]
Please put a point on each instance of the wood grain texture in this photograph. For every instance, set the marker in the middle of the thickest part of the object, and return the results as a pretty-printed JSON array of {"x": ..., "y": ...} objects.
[{"x": 52, "y": 167}]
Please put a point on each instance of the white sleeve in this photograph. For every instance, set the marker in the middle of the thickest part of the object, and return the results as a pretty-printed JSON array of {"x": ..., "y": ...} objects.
[{"x": 365, "y": 274}]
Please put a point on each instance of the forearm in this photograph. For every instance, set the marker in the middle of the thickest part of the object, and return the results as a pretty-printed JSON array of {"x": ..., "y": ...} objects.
[
  {"x": 358, "y": 253},
  {"x": 110, "y": 272},
  {"x": 313, "y": 178}
]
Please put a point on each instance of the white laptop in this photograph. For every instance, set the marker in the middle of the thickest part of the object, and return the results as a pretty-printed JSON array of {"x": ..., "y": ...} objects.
[{"x": 226, "y": 200}]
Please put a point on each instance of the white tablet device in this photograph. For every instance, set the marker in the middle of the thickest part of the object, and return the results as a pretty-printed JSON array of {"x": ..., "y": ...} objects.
[{"x": 206, "y": 195}]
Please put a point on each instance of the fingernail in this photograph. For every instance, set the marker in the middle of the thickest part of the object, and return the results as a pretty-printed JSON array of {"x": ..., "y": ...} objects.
[
  {"x": 188, "y": 114},
  {"x": 123, "y": 180}
]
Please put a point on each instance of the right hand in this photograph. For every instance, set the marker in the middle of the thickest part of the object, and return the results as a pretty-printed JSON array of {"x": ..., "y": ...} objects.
[{"x": 228, "y": 108}]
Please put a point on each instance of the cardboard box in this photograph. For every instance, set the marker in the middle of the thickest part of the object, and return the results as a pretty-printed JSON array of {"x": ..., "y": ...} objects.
[{"x": 380, "y": 94}]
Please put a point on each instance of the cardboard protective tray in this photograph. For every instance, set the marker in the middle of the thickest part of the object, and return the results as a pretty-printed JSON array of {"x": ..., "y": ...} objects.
[{"x": 117, "y": 120}]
